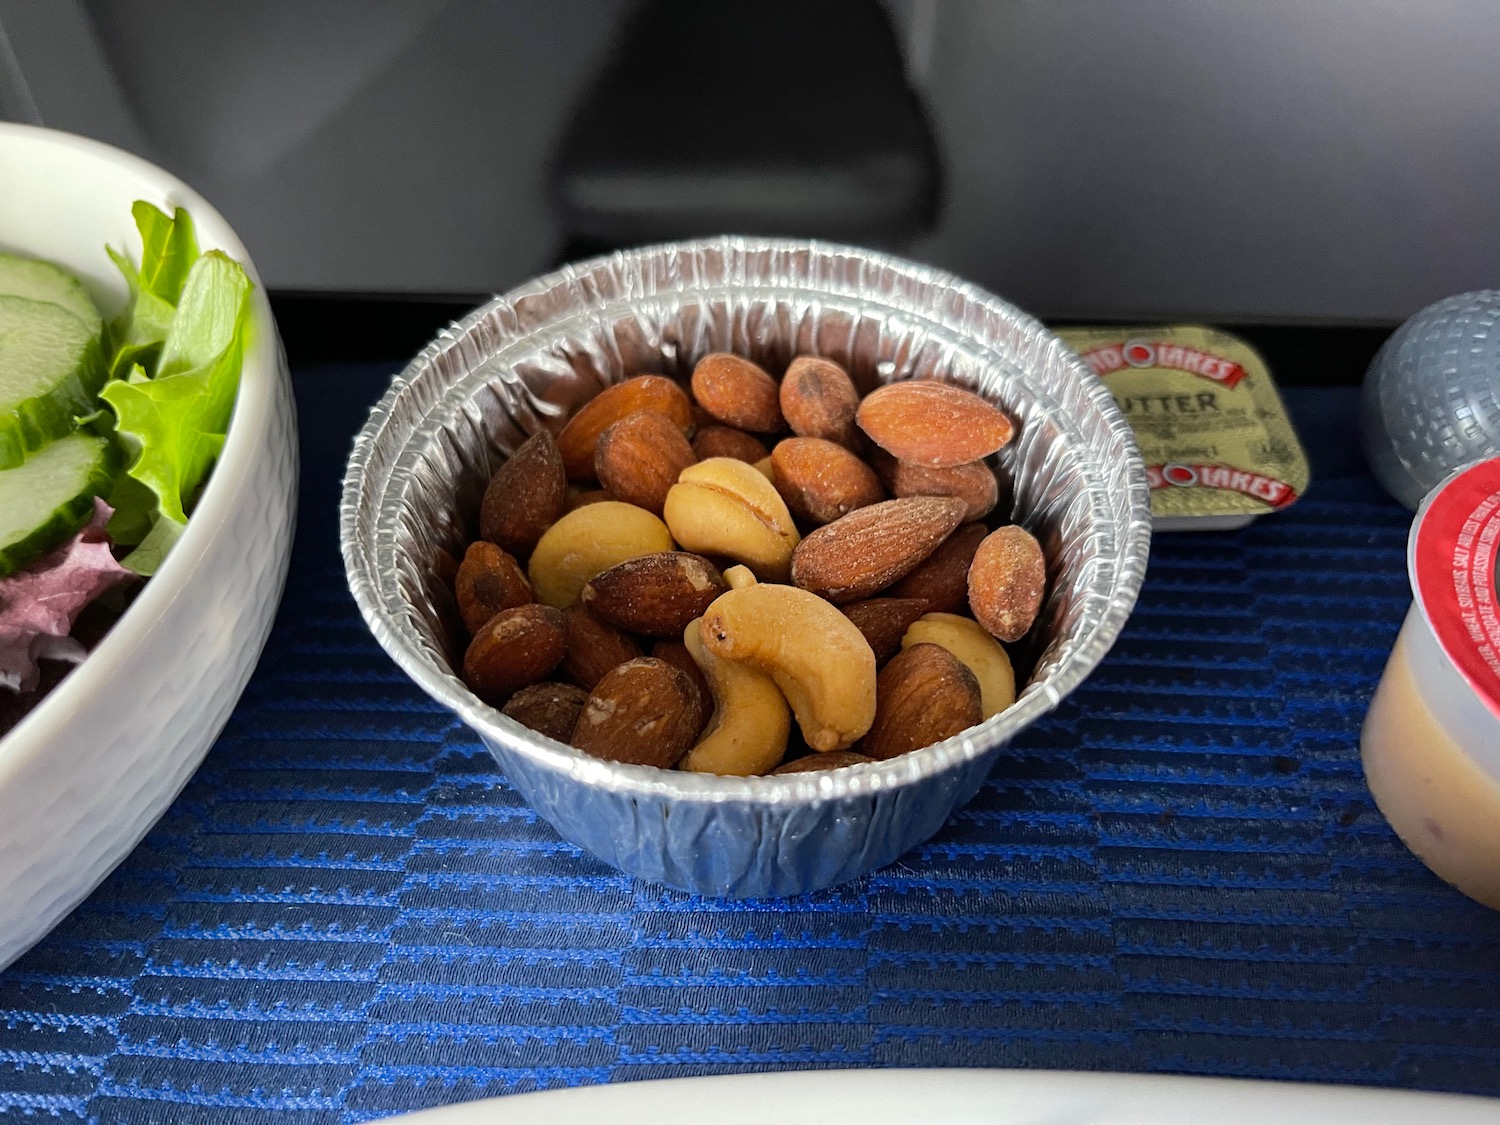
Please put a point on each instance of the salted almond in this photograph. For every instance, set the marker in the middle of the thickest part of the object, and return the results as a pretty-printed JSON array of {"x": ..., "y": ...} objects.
[
  {"x": 516, "y": 648},
  {"x": 675, "y": 653},
  {"x": 488, "y": 581},
  {"x": 1007, "y": 580},
  {"x": 924, "y": 695},
  {"x": 974, "y": 483},
  {"x": 884, "y": 622},
  {"x": 548, "y": 708},
  {"x": 580, "y": 436},
  {"x": 821, "y": 480},
  {"x": 594, "y": 648},
  {"x": 726, "y": 441},
  {"x": 737, "y": 392},
  {"x": 638, "y": 458},
  {"x": 864, "y": 552},
  {"x": 942, "y": 581},
  {"x": 933, "y": 424},
  {"x": 818, "y": 400},
  {"x": 655, "y": 595},
  {"x": 813, "y": 763},
  {"x": 645, "y": 713},
  {"x": 525, "y": 496}
]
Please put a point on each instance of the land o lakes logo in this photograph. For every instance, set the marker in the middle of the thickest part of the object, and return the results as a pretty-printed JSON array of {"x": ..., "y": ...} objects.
[
  {"x": 1176, "y": 474},
  {"x": 1110, "y": 358}
]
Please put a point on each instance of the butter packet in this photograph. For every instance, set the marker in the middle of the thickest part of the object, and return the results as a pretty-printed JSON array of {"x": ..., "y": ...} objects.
[{"x": 1218, "y": 445}]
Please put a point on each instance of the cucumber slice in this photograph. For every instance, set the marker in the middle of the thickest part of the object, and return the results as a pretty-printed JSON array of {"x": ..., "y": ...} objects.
[
  {"x": 42, "y": 281},
  {"x": 51, "y": 369},
  {"x": 51, "y": 495}
]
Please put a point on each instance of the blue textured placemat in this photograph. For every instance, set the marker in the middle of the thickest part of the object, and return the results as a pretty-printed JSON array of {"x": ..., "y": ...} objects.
[{"x": 349, "y": 914}]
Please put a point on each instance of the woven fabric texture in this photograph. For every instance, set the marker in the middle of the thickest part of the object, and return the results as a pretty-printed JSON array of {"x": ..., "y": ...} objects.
[{"x": 348, "y": 913}]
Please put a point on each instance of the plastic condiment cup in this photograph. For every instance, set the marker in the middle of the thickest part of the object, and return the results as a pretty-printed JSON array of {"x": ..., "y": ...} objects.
[{"x": 1431, "y": 739}]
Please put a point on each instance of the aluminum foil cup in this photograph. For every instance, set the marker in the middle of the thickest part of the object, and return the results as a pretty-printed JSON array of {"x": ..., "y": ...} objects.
[{"x": 530, "y": 358}]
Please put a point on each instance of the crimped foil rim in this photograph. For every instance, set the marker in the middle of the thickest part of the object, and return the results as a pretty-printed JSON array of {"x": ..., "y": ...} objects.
[{"x": 389, "y": 616}]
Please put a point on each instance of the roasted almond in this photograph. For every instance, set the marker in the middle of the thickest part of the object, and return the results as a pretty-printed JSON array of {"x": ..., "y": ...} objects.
[
  {"x": 645, "y": 712},
  {"x": 942, "y": 581},
  {"x": 832, "y": 760},
  {"x": 865, "y": 551},
  {"x": 638, "y": 458},
  {"x": 548, "y": 708},
  {"x": 580, "y": 436},
  {"x": 884, "y": 622},
  {"x": 1007, "y": 580},
  {"x": 594, "y": 648},
  {"x": 488, "y": 580},
  {"x": 933, "y": 424},
  {"x": 924, "y": 695},
  {"x": 821, "y": 480},
  {"x": 525, "y": 496},
  {"x": 655, "y": 595},
  {"x": 676, "y": 654},
  {"x": 974, "y": 483},
  {"x": 738, "y": 393},
  {"x": 726, "y": 441},
  {"x": 818, "y": 400},
  {"x": 516, "y": 648}
]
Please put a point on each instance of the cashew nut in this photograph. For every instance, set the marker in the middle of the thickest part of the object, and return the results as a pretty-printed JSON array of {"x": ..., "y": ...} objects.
[
  {"x": 751, "y": 721},
  {"x": 725, "y": 507},
  {"x": 817, "y": 656},
  {"x": 975, "y": 649},
  {"x": 588, "y": 541}
]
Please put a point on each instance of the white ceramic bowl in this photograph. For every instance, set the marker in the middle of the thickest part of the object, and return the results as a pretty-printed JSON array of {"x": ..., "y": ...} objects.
[{"x": 86, "y": 774}]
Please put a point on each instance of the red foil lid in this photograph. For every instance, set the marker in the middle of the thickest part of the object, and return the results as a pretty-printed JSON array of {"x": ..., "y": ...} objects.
[{"x": 1451, "y": 560}]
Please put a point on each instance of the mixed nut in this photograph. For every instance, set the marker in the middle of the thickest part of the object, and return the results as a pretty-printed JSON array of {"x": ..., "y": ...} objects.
[{"x": 673, "y": 580}]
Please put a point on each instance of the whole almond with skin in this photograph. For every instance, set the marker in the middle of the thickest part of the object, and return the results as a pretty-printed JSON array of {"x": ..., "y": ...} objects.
[
  {"x": 638, "y": 458},
  {"x": 548, "y": 708},
  {"x": 676, "y": 654},
  {"x": 867, "y": 550},
  {"x": 577, "y": 442},
  {"x": 821, "y": 480},
  {"x": 645, "y": 713},
  {"x": 488, "y": 580},
  {"x": 738, "y": 393},
  {"x": 656, "y": 595},
  {"x": 942, "y": 581},
  {"x": 594, "y": 648},
  {"x": 924, "y": 695},
  {"x": 1007, "y": 581},
  {"x": 884, "y": 622},
  {"x": 818, "y": 400},
  {"x": 974, "y": 483},
  {"x": 933, "y": 424},
  {"x": 525, "y": 496},
  {"x": 516, "y": 648},
  {"x": 816, "y": 763},
  {"x": 726, "y": 441}
]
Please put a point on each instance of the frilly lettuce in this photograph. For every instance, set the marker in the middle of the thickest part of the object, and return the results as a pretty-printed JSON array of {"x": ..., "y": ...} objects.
[{"x": 176, "y": 364}]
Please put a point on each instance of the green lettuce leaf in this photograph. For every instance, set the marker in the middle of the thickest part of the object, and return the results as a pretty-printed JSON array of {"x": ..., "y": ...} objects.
[
  {"x": 169, "y": 248},
  {"x": 175, "y": 423},
  {"x": 169, "y": 251}
]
